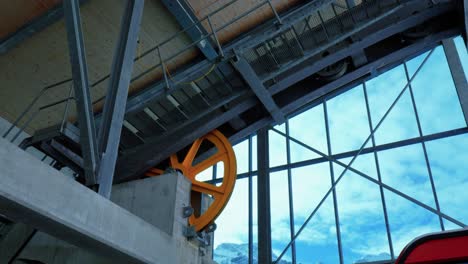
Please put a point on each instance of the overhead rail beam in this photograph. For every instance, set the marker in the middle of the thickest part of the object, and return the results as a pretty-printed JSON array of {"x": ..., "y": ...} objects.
[
  {"x": 116, "y": 99},
  {"x": 349, "y": 80},
  {"x": 155, "y": 91},
  {"x": 249, "y": 75},
  {"x": 81, "y": 87},
  {"x": 144, "y": 157}
]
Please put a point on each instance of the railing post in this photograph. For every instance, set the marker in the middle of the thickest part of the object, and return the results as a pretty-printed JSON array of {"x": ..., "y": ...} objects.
[{"x": 213, "y": 31}]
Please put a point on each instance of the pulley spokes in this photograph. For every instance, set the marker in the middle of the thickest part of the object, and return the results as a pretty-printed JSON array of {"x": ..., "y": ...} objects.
[{"x": 220, "y": 194}]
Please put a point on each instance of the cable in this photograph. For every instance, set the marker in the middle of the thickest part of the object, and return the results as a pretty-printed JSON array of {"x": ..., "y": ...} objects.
[{"x": 195, "y": 80}]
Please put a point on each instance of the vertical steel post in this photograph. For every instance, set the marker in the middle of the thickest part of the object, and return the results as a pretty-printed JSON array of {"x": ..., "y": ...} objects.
[
  {"x": 423, "y": 143},
  {"x": 163, "y": 68},
  {"x": 332, "y": 177},
  {"x": 278, "y": 18},
  {"x": 213, "y": 31},
  {"x": 263, "y": 197},
  {"x": 379, "y": 176},
  {"x": 251, "y": 250},
  {"x": 458, "y": 75},
  {"x": 116, "y": 99},
  {"x": 81, "y": 86},
  {"x": 350, "y": 163},
  {"x": 290, "y": 194}
]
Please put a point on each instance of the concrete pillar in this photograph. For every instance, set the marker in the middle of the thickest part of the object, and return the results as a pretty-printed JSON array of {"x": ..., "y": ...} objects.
[{"x": 40, "y": 196}]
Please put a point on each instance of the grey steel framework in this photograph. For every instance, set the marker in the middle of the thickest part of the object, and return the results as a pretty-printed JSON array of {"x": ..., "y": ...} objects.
[
  {"x": 265, "y": 241},
  {"x": 266, "y": 79},
  {"x": 250, "y": 83}
]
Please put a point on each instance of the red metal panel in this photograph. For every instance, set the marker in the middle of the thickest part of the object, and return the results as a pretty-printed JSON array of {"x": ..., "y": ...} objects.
[{"x": 444, "y": 247}]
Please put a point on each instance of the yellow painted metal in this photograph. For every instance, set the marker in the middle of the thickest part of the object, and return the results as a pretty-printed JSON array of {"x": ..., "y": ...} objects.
[{"x": 219, "y": 193}]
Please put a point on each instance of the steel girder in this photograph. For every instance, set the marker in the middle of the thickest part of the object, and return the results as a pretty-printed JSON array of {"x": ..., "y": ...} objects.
[
  {"x": 82, "y": 93},
  {"x": 143, "y": 157}
]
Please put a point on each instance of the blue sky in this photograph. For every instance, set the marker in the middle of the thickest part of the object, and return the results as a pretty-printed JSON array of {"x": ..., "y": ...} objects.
[{"x": 360, "y": 209}]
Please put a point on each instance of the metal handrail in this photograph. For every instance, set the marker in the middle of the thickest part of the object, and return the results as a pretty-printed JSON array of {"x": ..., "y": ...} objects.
[
  {"x": 158, "y": 47},
  {"x": 35, "y": 113},
  {"x": 32, "y": 103}
]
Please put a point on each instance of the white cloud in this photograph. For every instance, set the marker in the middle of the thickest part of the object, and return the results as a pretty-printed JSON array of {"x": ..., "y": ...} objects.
[{"x": 359, "y": 202}]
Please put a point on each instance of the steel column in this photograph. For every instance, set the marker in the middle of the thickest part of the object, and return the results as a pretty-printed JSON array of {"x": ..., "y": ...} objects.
[
  {"x": 249, "y": 75},
  {"x": 81, "y": 86},
  {"x": 379, "y": 176},
  {"x": 458, "y": 75},
  {"x": 426, "y": 158},
  {"x": 402, "y": 143},
  {"x": 263, "y": 197},
  {"x": 332, "y": 178},
  {"x": 251, "y": 250},
  {"x": 290, "y": 194},
  {"x": 116, "y": 99},
  {"x": 348, "y": 166}
]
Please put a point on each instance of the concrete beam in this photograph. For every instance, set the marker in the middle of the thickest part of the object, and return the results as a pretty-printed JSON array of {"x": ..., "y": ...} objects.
[
  {"x": 14, "y": 241},
  {"x": 38, "y": 195}
]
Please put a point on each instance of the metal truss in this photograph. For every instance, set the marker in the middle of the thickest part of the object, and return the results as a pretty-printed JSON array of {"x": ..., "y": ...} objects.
[
  {"x": 334, "y": 159},
  {"x": 99, "y": 161},
  {"x": 81, "y": 87}
]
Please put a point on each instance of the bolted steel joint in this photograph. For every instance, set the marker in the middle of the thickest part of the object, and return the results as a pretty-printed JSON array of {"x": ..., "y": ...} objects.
[
  {"x": 187, "y": 211},
  {"x": 211, "y": 228},
  {"x": 189, "y": 232}
]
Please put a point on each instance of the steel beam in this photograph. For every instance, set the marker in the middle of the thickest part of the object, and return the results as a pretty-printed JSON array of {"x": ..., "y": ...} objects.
[
  {"x": 186, "y": 19},
  {"x": 348, "y": 81},
  {"x": 156, "y": 90},
  {"x": 398, "y": 144},
  {"x": 332, "y": 42},
  {"x": 36, "y": 25},
  {"x": 458, "y": 75},
  {"x": 350, "y": 163},
  {"x": 250, "y": 161},
  {"x": 81, "y": 86},
  {"x": 287, "y": 21},
  {"x": 379, "y": 183},
  {"x": 423, "y": 144},
  {"x": 292, "y": 228},
  {"x": 140, "y": 159},
  {"x": 332, "y": 178},
  {"x": 263, "y": 198},
  {"x": 379, "y": 35},
  {"x": 379, "y": 176},
  {"x": 249, "y": 75},
  {"x": 135, "y": 162},
  {"x": 116, "y": 99},
  {"x": 465, "y": 21}
]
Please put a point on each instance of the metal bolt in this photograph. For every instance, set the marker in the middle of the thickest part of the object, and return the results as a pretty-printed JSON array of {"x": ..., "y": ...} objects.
[{"x": 187, "y": 211}]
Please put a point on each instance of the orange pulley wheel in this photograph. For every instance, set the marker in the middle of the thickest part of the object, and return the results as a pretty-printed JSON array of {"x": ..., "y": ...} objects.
[{"x": 219, "y": 193}]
